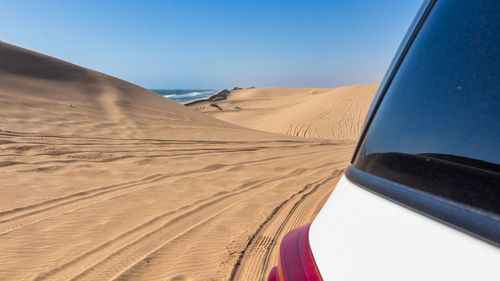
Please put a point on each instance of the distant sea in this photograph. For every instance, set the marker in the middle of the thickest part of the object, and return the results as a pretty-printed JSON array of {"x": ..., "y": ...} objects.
[{"x": 184, "y": 95}]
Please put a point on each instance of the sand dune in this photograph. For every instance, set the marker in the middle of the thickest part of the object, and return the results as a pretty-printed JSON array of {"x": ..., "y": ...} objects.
[
  {"x": 101, "y": 179},
  {"x": 40, "y": 94},
  {"x": 337, "y": 113}
]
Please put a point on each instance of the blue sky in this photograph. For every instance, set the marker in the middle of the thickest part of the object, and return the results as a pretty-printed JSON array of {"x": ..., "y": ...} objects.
[{"x": 216, "y": 44}]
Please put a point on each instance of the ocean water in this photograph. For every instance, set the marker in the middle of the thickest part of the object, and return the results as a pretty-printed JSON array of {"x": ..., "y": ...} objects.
[{"x": 185, "y": 95}]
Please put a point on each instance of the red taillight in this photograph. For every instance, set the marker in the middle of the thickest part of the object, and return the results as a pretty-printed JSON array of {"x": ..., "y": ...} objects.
[
  {"x": 273, "y": 275},
  {"x": 296, "y": 261}
]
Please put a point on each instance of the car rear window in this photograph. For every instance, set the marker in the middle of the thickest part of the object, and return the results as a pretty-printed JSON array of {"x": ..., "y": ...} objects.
[{"x": 437, "y": 127}]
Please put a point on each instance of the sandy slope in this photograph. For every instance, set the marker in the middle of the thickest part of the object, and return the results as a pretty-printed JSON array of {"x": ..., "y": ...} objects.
[
  {"x": 337, "y": 113},
  {"x": 101, "y": 179}
]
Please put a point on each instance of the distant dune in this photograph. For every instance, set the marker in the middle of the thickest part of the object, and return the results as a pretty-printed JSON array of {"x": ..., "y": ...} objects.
[
  {"x": 337, "y": 113},
  {"x": 101, "y": 179}
]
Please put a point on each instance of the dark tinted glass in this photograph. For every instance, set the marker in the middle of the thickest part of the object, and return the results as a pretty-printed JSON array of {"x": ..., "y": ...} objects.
[{"x": 438, "y": 126}]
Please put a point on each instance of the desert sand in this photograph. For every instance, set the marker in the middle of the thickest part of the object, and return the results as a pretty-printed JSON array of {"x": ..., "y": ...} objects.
[
  {"x": 337, "y": 113},
  {"x": 101, "y": 179}
]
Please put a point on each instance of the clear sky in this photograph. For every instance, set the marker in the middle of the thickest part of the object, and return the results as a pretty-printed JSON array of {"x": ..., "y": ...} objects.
[{"x": 216, "y": 44}]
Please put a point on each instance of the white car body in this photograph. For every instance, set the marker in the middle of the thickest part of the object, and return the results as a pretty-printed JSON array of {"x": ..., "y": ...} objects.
[{"x": 359, "y": 235}]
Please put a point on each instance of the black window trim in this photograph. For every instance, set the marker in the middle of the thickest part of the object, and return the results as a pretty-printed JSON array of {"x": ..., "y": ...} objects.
[{"x": 476, "y": 222}]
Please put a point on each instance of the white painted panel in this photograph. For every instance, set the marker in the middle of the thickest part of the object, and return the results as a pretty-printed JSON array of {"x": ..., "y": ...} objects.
[{"x": 361, "y": 236}]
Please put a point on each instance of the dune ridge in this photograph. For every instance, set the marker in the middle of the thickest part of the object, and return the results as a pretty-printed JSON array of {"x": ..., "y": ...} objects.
[
  {"x": 336, "y": 113},
  {"x": 102, "y": 179},
  {"x": 46, "y": 95}
]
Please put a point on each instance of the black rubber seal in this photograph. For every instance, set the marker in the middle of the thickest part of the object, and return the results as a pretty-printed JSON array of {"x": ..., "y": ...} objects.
[{"x": 478, "y": 223}]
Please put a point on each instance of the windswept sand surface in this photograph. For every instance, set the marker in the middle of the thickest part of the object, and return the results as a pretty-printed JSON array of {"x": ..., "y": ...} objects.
[
  {"x": 337, "y": 113},
  {"x": 101, "y": 179}
]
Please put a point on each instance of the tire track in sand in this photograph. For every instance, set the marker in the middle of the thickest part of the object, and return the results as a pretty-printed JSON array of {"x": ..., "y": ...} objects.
[
  {"x": 255, "y": 260},
  {"x": 19, "y": 217},
  {"x": 41, "y": 211},
  {"x": 150, "y": 233}
]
